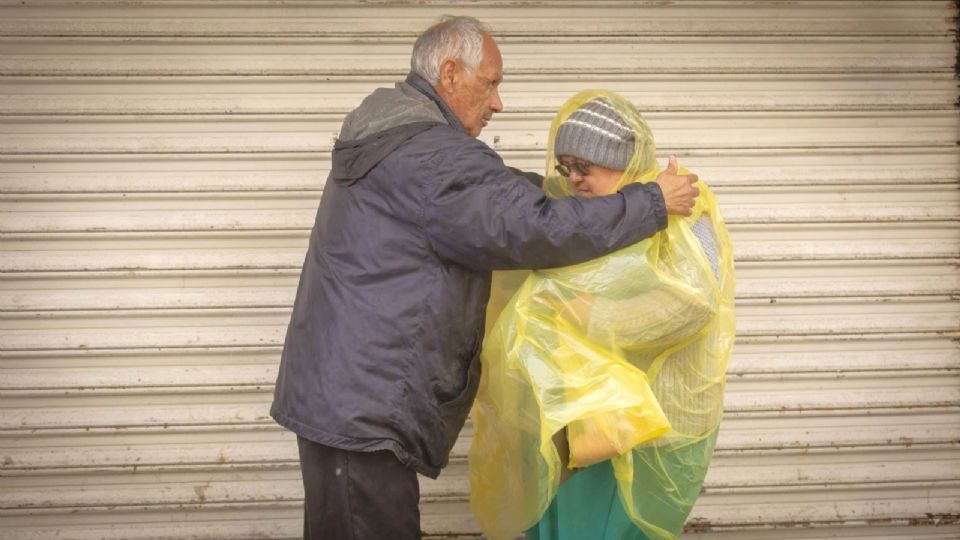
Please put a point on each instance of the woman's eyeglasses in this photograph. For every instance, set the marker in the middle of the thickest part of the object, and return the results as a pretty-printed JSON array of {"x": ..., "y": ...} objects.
[{"x": 580, "y": 167}]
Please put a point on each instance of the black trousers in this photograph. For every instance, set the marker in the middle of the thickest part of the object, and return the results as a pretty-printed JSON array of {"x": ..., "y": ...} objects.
[{"x": 357, "y": 495}]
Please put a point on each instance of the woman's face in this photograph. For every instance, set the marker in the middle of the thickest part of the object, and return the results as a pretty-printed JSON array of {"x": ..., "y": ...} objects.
[{"x": 588, "y": 179}]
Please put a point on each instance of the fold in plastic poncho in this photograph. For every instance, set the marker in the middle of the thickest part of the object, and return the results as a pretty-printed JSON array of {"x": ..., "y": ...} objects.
[{"x": 621, "y": 356}]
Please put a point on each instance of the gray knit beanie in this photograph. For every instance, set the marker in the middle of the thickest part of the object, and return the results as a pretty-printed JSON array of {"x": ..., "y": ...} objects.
[{"x": 597, "y": 133}]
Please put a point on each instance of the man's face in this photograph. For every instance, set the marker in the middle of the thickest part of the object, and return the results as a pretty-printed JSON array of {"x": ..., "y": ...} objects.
[{"x": 474, "y": 97}]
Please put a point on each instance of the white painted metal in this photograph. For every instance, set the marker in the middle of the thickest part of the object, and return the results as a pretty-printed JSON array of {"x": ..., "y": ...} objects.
[{"x": 160, "y": 165}]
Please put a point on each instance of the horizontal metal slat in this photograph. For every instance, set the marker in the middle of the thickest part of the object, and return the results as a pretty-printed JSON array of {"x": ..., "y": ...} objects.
[
  {"x": 163, "y": 173},
  {"x": 245, "y": 446},
  {"x": 757, "y": 374},
  {"x": 293, "y": 210},
  {"x": 819, "y": 231},
  {"x": 143, "y": 372},
  {"x": 546, "y": 93},
  {"x": 609, "y": 18},
  {"x": 120, "y": 413},
  {"x": 772, "y": 242},
  {"x": 453, "y": 520},
  {"x": 444, "y": 521},
  {"x": 934, "y": 463},
  {"x": 748, "y": 431},
  {"x": 237, "y": 290},
  {"x": 140, "y": 380},
  {"x": 837, "y": 355},
  {"x": 260, "y": 251},
  {"x": 823, "y": 505},
  {"x": 217, "y": 331},
  {"x": 170, "y": 448},
  {"x": 785, "y": 395},
  {"x": 926, "y": 528},
  {"x": 276, "y": 521},
  {"x": 790, "y": 465},
  {"x": 149, "y": 489},
  {"x": 282, "y": 483},
  {"x": 828, "y": 504},
  {"x": 153, "y": 457},
  {"x": 780, "y": 470},
  {"x": 156, "y": 255},
  {"x": 803, "y": 316},
  {"x": 316, "y": 133},
  {"x": 863, "y": 277},
  {"x": 441, "y": 521},
  {"x": 266, "y": 326},
  {"x": 831, "y": 354},
  {"x": 220, "y": 297},
  {"x": 844, "y": 393},
  {"x": 25, "y": 56},
  {"x": 160, "y": 173}
]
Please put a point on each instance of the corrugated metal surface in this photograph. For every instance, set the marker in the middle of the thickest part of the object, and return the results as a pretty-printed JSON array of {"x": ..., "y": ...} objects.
[{"x": 161, "y": 161}]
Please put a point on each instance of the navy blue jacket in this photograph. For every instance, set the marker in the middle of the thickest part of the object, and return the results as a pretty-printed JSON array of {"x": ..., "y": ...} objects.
[{"x": 382, "y": 351}]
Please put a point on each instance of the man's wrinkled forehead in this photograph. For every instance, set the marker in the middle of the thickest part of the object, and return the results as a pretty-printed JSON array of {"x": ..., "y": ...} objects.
[{"x": 491, "y": 64}]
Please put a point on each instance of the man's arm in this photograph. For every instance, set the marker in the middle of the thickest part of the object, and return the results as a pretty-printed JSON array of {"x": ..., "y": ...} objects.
[
  {"x": 480, "y": 215},
  {"x": 533, "y": 177},
  {"x": 678, "y": 190}
]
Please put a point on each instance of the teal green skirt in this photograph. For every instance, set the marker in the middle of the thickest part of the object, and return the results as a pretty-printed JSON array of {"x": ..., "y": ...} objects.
[{"x": 587, "y": 506}]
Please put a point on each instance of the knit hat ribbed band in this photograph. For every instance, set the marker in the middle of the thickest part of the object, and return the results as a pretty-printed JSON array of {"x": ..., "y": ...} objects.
[{"x": 596, "y": 133}]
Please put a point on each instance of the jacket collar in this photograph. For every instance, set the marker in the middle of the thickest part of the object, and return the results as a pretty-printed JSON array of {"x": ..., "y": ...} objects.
[{"x": 426, "y": 89}]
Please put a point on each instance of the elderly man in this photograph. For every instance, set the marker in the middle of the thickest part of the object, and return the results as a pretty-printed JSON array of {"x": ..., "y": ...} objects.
[{"x": 380, "y": 364}]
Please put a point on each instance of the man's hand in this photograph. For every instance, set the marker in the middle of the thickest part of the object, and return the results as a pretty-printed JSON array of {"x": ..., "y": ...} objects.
[{"x": 679, "y": 193}]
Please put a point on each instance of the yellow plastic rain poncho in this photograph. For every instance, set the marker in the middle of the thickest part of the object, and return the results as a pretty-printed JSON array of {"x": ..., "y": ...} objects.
[{"x": 622, "y": 356}]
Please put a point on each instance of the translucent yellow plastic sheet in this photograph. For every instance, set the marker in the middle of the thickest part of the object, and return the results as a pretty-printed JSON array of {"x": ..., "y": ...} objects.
[{"x": 627, "y": 352}]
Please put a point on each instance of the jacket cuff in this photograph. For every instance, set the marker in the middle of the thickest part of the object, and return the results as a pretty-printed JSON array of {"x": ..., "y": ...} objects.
[{"x": 659, "y": 205}]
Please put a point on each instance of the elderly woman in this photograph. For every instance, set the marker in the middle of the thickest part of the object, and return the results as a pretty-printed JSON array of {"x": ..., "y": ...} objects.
[{"x": 612, "y": 369}]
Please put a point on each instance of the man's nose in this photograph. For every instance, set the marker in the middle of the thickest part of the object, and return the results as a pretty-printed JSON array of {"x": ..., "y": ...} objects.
[{"x": 496, "y": 105}]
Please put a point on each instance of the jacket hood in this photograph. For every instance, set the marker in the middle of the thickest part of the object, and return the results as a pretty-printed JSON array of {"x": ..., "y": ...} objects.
[{"x": 383, "y": 121}]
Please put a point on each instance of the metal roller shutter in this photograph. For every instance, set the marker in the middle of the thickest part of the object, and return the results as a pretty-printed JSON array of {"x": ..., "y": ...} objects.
[{"x": 160, "y": 165}]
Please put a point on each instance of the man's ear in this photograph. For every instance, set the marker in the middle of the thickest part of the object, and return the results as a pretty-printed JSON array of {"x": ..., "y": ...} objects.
[{"x": 448, "y": 74}]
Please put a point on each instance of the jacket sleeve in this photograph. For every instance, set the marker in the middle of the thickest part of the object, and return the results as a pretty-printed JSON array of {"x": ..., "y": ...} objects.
[
  {"x": 480, "y": 214},
  {"x": 533, "y": 177}
]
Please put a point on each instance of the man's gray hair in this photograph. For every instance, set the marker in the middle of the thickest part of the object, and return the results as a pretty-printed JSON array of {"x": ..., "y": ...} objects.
[{"x": 456, "y": 38}]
